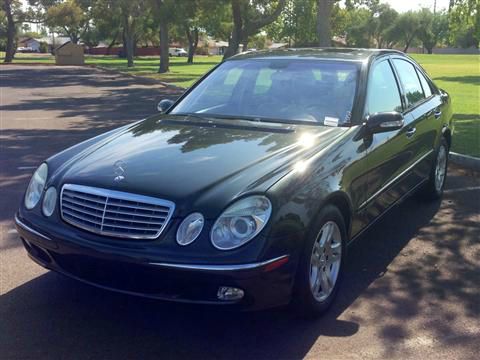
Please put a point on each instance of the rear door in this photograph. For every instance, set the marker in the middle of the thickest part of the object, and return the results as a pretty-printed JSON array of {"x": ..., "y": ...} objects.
[{"x": 424, "y": 108}]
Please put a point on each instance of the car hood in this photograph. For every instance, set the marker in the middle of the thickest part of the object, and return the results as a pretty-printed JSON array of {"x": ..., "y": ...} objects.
[{"x": 195, "y": 162}]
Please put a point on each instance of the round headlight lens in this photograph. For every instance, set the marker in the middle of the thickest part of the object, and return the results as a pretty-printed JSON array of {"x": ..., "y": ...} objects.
[
  {"x": 49, "y": 201},
  {"x": 241, "y": 222},
  {"x": 190, "y": 228},
  {"x": 35, "y": 187}
]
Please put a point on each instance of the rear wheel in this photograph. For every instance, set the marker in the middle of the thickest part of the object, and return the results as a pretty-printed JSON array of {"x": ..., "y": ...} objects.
[
  {"x": 436, "y": 182},
  {"x": 321, "y": 266}
]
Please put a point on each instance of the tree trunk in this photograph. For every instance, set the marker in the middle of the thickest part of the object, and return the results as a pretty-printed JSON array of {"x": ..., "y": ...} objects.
[
  {"x": 123, "y": 54},
  {"x": 237, "y": 32},
  {"x": 324, "y": 32},
  {"x": 135, "y": 46},
  {"x": 11, "y": 32},
  {"x": 233, "y": 46},
  {"x": 242, "y": 31},
  {"x": 129, "y": 44},
  {"x": 164, "y": 42},
  {"x": 245, "y": 45},
  {"x": 74, "y": 38},
  {"x": 109, "y": 48},
  {"x": 192, "y": 37}
]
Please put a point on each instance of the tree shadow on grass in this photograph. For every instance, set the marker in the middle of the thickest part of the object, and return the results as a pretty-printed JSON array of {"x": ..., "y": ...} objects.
[
  {"x": 466, "y": 117},
  {"x": 468, "y": 79}
]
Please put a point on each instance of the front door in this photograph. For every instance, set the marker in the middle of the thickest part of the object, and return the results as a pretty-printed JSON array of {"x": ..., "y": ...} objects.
[{"x": 389, "y": 154}]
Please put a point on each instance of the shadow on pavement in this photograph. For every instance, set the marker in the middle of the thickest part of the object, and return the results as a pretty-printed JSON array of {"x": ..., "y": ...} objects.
[
  {"x": 55, "y": 316},
  {"x": 393, "y": 285}
]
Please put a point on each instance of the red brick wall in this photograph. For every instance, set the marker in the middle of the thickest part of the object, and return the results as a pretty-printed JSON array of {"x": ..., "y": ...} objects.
[{"x": 144, "y": 51}]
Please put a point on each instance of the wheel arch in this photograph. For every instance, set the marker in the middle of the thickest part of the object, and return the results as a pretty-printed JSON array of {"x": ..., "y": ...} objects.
[
  {"x": 342, "y": 202},
  {"x": 447, "y": 134}
]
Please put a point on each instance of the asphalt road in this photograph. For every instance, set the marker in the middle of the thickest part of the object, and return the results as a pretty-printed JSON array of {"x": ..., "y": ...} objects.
[{"x": 412, "y": 287}]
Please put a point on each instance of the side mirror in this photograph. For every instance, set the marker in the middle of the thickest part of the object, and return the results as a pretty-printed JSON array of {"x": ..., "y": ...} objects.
[
  {"x": 164, "y": 105},
  {"x": 384, "y": 122}
]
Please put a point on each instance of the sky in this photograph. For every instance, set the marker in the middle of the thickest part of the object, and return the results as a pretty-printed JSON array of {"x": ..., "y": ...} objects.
[
  {"x": 399, "y": 5},
  {"x": 405, "y": 5}
]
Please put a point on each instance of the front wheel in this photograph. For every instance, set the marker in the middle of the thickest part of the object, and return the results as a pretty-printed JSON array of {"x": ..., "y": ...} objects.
[
  {"x": 436, "y": 182},
  {"x": 321, "y": 266}
]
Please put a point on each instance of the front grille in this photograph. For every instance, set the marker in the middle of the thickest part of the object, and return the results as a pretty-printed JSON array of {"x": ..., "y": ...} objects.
[{"x": 115, "y": 213}]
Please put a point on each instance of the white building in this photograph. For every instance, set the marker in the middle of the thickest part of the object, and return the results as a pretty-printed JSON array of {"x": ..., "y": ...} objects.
[{"x": 33, "y": 45}]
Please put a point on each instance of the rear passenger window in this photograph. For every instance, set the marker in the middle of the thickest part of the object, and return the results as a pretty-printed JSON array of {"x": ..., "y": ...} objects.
[
  {"x": 425, "y": 85},
  {"x": 382, "y": 92},
  {"x": 411, "y": 83}
]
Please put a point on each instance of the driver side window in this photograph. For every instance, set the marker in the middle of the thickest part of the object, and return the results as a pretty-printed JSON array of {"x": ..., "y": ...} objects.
[{"x": 382, "y": 92}]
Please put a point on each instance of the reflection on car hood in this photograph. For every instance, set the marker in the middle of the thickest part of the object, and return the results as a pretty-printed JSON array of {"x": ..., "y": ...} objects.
[{"x": 190, "y": 160}]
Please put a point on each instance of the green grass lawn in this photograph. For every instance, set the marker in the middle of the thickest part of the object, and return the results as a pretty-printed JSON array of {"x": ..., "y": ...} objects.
[
  {"x": 457, "y": 74},
  {"x": 181, "y": 73},
  {"x": 460, "y": 76}
]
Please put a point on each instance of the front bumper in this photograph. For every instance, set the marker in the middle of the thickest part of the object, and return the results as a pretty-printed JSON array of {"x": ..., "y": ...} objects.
[{"x": 265, "y": 284}]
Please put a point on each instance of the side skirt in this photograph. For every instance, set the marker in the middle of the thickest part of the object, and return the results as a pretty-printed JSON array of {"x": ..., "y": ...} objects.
[{"x": 398, "y": 202}]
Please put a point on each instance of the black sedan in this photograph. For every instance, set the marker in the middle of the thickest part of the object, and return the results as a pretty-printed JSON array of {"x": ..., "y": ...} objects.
[{"x": 248, "y": 189}]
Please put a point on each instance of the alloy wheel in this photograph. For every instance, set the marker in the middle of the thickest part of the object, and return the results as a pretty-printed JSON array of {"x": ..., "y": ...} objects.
[
  {"x": 325, "y": 261},
  {"x": 440, "y": 168}
]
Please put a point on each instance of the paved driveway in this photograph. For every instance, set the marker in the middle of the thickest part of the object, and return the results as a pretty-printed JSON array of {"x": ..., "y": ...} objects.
[{"x": 412, "y": 287}]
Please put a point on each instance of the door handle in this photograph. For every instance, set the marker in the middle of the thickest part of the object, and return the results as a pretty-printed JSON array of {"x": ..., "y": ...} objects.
[
  {"x": 410, "y": 132},
  {"x": 437, "y": 114}
]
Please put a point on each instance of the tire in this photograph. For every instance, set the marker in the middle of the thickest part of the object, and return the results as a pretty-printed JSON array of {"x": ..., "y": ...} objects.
[
  {"x": 433, "y": 190},
  {"x": 310, "y": 298}
]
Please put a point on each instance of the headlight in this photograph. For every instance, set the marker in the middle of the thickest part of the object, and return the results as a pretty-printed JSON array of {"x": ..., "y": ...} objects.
[
  {"x": 241, "y": 222},
  {"x": 35, "y": 187},
  {"x": 49, "y": 201},
  {"x": 190, "y": 228}
]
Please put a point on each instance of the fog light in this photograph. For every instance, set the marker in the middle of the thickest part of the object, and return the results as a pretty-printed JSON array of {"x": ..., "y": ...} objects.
[
  {"x": 228, "y": 293},
  {"x": 49, "y": 201}
]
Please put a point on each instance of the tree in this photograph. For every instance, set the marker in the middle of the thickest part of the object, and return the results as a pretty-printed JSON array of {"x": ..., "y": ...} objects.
[
  {"x": 464, "y": 22},
  {"x": 296, "y": 24},
  {"x": 406, "y": 28},
  {"x": 216, "y": 18},
  {"x": 130, "y": 14},
  {"x": 189, "y": 22},
  {"x": 165, "y": 13},
  {"x": 14, "y": 17},
  {"x": 249, "y": 16},
  {"x": 383, "y": 16},
  {"x": 433, "y": 27},
  {"x": 108, "y": 22},
  {"x": 357, "y": 27},
  {"x": 70, "y": 17},
  {"x": 324, "y": 13}
]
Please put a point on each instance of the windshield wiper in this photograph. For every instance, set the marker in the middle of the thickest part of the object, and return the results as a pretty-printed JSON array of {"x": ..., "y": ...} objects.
[
  {"x": 266, "y": 119},
  {"x": 194, "y": 115},
  {"x": 257, "y": 119}
]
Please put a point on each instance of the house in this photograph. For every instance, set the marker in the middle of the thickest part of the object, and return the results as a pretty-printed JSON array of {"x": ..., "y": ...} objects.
[
  {"x": 217, "y": 47},
  {"x": 276, "y": 46},
  {"x": 29, "y": 44},
  {"x": 69, "y": 54},
  {"x": 54, "y": 41}
]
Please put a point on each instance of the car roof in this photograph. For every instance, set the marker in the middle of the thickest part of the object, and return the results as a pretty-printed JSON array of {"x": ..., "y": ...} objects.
[{"x": 344, "y": 54}]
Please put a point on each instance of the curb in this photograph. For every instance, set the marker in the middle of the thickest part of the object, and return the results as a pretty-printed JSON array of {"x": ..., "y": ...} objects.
[{"x": 465, "y": 161}]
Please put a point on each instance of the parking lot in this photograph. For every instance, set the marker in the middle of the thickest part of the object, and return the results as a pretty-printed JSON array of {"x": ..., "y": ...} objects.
[{"x": 412, "y": 284}]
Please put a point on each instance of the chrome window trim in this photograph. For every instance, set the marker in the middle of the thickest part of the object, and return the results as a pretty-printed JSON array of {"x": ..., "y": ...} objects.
[
  {"x": 395, "y": 179},
  {"x": 119, "y": 195},
  {"x": 237, "y": 267},
  {"x": 25, "y": 227}
]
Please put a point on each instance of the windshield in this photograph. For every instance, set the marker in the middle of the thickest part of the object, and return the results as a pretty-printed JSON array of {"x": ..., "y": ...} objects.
[{"x": 319, "y": 92}]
